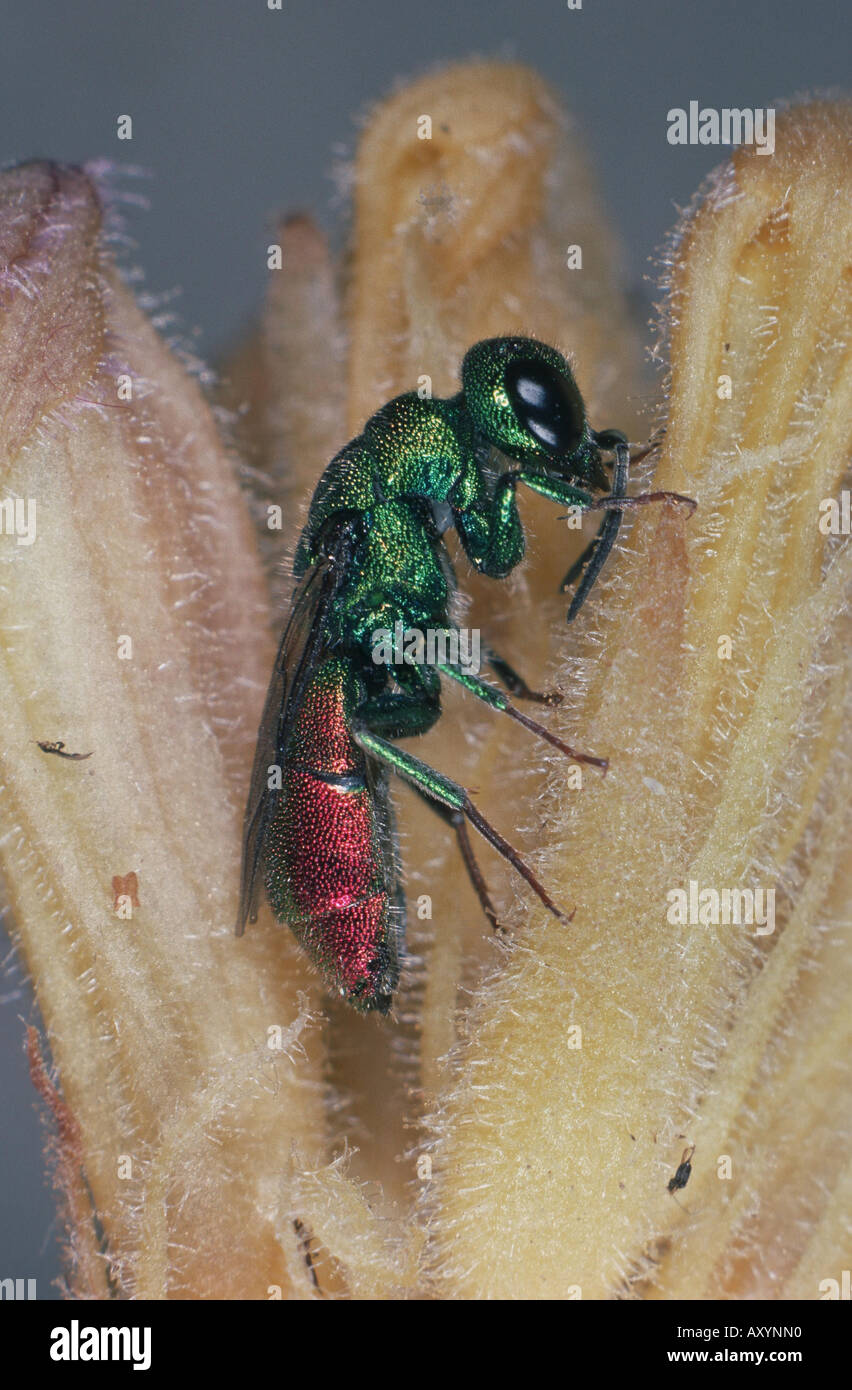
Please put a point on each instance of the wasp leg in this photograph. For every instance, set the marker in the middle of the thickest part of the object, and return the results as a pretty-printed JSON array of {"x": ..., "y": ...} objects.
[
  {"x": 406, "y": 712},
  {"x": 613, "y": 508},
  {"x": 399, "y": 715},
  {"x": 649, "y": 448},
  {"x": 641, "y": 500},
  {"x": 474, "y": 873},
  {"x": 490, "y": 528},
  {"x": 515, "y": 683},
  {"x": 404, "y": 715},
  {"x": 593, "y": 558},
  {"x": 582, "y": 561},
  {"x": 598, "y": 552},
  {"x": 595, "y": 554},
  {"x": 618, "y": 504},
  {"x": 445, "y": 792},
  {"x": 608, "y": 529},
  {"x": 558, "y": 491},
  {"x": 497, "y": 701},
  {"x": 480, "y": 887}
]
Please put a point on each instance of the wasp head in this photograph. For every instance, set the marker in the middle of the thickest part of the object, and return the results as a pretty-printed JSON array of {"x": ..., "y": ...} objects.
[{"x": 524, "y": 401}]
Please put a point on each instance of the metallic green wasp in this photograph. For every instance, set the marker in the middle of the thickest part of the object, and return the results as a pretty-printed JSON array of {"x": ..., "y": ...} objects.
[{"x": 318, "y": 828}]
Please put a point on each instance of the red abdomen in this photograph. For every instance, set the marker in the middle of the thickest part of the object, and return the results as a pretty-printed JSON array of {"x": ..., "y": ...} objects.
[{"x": 330, "y": 862}]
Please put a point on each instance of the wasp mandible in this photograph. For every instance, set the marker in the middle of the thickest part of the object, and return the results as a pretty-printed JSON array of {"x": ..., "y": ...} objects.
[{"x": 319, "y": 828}]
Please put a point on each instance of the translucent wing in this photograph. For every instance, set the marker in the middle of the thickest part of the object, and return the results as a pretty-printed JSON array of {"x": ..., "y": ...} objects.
[{"x": 302, "y": 648}]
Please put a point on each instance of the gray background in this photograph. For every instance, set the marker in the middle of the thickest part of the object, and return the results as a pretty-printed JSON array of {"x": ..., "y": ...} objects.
[{"x": 240, "y": 112}]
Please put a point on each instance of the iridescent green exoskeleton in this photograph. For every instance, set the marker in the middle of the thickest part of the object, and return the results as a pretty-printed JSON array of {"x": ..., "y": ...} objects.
[{"x": 318, "y": 825}]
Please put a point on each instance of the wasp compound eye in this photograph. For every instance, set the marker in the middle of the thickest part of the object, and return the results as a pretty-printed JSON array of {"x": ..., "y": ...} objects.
[{"x": 547, "y": 404}]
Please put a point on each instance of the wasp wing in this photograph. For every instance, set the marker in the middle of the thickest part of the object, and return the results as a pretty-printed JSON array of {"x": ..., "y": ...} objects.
[{"x": 303, "y": 646}]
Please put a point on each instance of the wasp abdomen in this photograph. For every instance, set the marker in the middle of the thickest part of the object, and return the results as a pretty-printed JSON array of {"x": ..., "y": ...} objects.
[{"x": 326, "y": 870}]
